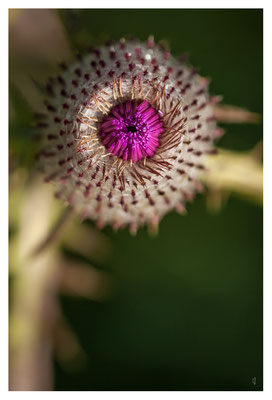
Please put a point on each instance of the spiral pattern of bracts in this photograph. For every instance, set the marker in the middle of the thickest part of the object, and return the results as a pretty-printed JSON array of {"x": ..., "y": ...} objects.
[{"x": 126, "y": 190}]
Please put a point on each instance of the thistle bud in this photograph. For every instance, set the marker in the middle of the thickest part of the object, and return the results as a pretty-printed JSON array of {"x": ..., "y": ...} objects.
[{"x": 127, "y": 132}]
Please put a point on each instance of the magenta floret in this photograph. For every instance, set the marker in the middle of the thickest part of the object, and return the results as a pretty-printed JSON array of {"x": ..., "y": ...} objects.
[{"x": 131, "y": 131}]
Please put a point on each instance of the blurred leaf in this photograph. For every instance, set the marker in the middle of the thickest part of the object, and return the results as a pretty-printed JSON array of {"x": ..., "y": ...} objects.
[{"x": 78, "y": 257}]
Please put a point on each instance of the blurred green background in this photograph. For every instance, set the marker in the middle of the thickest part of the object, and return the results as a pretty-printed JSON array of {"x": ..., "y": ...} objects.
[{"x": 186, "y": 312}]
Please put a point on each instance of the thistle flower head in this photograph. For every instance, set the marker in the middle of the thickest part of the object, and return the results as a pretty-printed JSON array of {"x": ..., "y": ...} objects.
[{"x": 127, "y": 130}]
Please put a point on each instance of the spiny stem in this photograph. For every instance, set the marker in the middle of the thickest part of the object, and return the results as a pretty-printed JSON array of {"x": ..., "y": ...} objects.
[
  {"x": 236, "y": 172},
  {"x": 230, "y": 114}
]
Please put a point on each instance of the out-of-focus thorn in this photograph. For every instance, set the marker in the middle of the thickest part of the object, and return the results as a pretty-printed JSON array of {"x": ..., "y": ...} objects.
[
  {"x": 82, "y": 280},
  {"x": 217, "y": 133},
  {"x": 181, "y": 209},
  {"x": 199, "y": 187},
  {"x": 150, "y": 42},
  {"x": 100, "y": 224},
  {"x": 153, "y": 226},
  {"x": 216, "y": 199},
  {"x": 204, "y": 81},
  {"x": 257, "y": 151},
  {"x": 68, "y": 351},
  {"x": 215, "y": 99},
  {"x": 116, "y": 225},
  {"x": 133, "y": 228},
  {"x": 241, "y": 173},
  {"x": 231, "y": 114},
  {"x": 87, "y": 241}
]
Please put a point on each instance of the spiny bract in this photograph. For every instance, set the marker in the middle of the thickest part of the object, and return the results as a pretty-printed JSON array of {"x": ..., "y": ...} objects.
[{"x": 127, "y": 131}]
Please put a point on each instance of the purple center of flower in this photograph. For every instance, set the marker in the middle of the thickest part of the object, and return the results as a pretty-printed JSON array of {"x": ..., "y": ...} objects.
[{"x": 131, "y": 130}]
